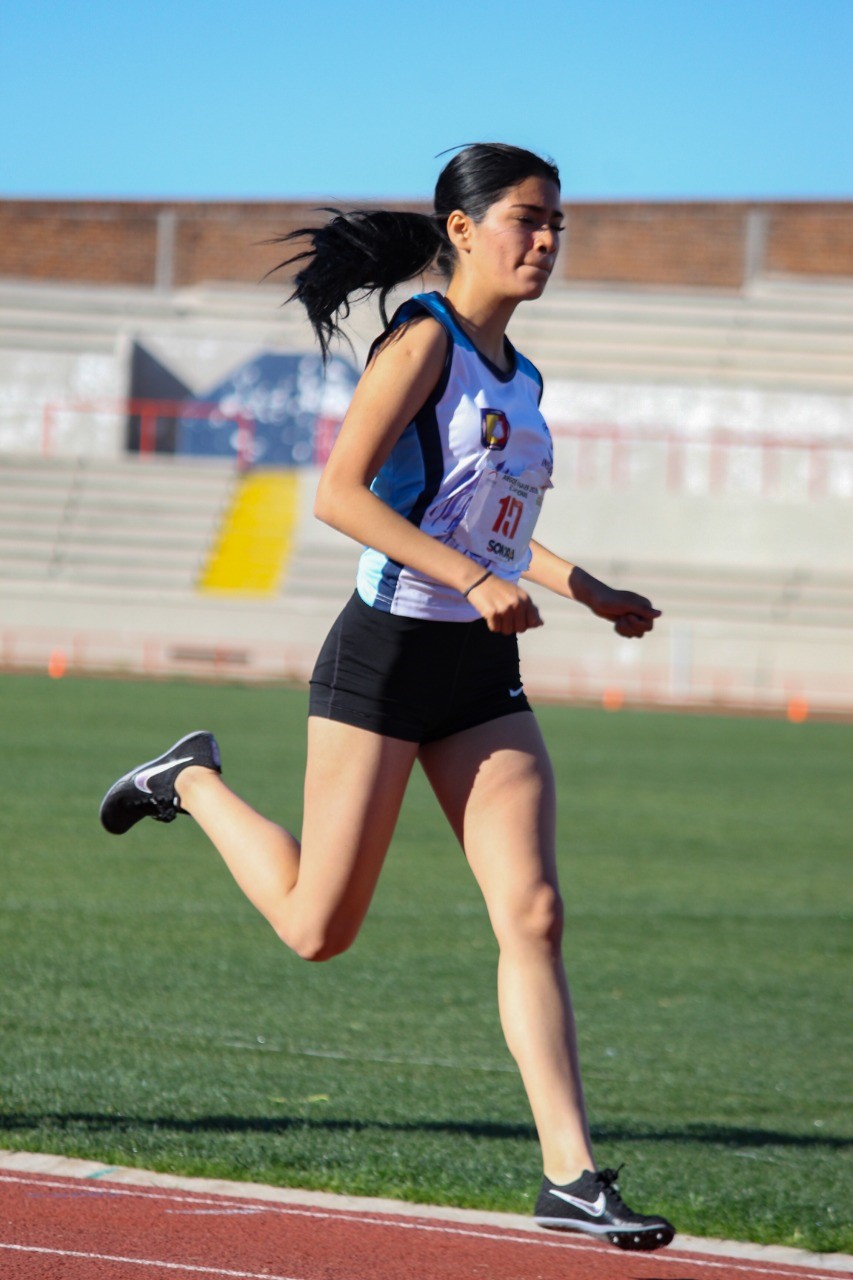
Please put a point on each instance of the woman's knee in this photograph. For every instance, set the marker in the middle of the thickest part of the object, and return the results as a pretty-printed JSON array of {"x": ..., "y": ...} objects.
[
  {"x": 534, "y": 917},
  {"x": 318, "y": 941}
]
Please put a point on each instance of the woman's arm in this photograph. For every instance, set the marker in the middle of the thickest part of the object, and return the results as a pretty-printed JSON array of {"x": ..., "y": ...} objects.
[
  {"x": 396, "y": 384},
  {"x": 632, "y": 615}
]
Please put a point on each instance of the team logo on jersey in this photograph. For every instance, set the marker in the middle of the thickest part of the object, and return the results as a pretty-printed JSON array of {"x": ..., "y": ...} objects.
[{"x": 494, "y": 428}]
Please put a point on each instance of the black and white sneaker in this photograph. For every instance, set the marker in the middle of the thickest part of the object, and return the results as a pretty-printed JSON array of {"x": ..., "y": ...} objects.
[
  {"x": 592, "y": 1204},
  {"x": 148, "y": 791}
]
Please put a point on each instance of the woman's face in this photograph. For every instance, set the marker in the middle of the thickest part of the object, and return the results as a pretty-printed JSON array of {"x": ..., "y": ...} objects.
[{"x": 512, "y": 251}]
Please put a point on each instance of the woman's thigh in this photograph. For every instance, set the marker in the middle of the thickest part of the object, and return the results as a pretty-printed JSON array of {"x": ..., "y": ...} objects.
[
  {"x": 354, "y": 785},
  {"x": 496, "y": 786}
]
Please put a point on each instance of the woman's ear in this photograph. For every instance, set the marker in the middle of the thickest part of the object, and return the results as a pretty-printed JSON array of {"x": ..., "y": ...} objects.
[{"x": 459, "y": 230}]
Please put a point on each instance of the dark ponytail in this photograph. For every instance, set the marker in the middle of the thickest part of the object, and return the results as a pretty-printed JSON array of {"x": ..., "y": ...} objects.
[
  {"x": 367, "y": 251},
  {"x": 356, "y": 254}
]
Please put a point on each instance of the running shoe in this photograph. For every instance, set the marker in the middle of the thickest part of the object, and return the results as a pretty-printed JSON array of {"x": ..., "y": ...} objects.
[
  {"x": 592, "y": 1204},
  {"x": 148, "y": 791}
]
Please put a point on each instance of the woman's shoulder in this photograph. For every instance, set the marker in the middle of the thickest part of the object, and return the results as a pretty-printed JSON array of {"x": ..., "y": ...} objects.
[
  {"x": 414, "y": 333},
  {"x": 421, "y": 306}
]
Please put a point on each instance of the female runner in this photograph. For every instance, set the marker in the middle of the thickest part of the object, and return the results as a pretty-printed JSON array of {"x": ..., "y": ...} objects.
[{"x": 439, "y": 471}]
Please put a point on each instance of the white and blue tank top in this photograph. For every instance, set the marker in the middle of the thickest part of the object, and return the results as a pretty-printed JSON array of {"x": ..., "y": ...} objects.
[{"x": 471, "y": 469}]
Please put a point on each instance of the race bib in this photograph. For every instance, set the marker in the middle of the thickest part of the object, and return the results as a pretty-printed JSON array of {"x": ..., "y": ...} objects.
[{"x": 502, "y": 515}]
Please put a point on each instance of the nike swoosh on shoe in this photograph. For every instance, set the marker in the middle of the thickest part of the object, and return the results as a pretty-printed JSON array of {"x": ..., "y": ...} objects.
[
  {"x": 142, "y": 779},
  {"x": 595, "y": 1209}
]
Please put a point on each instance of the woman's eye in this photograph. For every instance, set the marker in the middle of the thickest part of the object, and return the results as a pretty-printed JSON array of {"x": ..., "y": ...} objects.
[{"x": 531, "y": 222}]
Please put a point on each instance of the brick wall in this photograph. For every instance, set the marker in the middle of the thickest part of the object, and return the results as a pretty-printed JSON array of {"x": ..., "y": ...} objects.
[
  {"x": 80, "y": 241},
  {"x": 821, "y": 235},
  {"x": 666, "y": 243}
]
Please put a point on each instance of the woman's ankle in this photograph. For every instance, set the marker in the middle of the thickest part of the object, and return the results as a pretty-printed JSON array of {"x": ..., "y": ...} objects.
[{"x": 189, "y": 780}]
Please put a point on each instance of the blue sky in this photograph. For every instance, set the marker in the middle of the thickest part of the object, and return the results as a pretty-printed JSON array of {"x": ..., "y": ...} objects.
[{"x": 268, "y": 99}]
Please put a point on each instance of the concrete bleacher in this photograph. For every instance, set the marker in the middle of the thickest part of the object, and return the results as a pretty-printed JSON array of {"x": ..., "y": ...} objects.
[
  {"x": 100, "y": 561},
  {"x": 88, "y": 318},
  {"x": 775, "y": 333},
  {"x": 122, "y": 525},
  {"x": 100, "y": 553}
]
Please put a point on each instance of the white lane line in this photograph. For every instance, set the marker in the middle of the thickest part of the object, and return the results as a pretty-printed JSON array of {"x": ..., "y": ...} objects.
[
  {"x": 148, "y": 1262},
  {"x": 227, "y": 1212},
  {"x": 571, "y": 1243}
]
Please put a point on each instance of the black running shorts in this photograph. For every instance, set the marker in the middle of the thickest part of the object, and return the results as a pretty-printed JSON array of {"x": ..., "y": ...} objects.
[{"x": 412, "y": 678}]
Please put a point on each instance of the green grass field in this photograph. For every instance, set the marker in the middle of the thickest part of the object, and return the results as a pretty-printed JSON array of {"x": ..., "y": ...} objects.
[{"x": 150, "y": 1017}]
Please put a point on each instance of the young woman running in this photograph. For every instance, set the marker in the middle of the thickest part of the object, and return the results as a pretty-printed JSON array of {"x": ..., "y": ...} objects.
[{"x": 439, "y": 470}]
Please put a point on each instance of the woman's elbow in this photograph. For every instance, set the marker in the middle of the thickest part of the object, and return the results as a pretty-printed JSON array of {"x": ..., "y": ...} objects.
[
  {"x": 326, "y": 506},
  {"x": 339, "y": 502}
]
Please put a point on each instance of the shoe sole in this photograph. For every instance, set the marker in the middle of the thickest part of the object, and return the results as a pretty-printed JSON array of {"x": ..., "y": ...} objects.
[
  {"x": 118, "y": 830},
  {"x": 633, "y": 1239},
  {"x": 642, "y": 1241}
]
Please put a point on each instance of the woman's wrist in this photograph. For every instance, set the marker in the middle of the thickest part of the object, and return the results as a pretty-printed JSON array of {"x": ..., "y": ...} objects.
[
  {"x": 584, "y": 587},
  {"x": 477, "y": 583}
]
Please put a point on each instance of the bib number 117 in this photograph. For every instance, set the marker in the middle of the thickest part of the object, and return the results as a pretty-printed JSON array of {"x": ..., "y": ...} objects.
[{"x": 509, "y": 513}]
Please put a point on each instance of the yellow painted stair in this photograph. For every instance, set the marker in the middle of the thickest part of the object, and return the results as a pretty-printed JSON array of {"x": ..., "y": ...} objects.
[{"x": 254, "y": 541}]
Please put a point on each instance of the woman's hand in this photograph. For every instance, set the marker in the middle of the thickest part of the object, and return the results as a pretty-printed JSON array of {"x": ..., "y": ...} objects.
[
  {"x": 506, "y": 607},
  {"x": 632, "y": 615}
]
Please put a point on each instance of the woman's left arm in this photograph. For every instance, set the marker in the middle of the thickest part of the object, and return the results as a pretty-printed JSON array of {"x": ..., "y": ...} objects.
[{"x": 631, "y": 614}]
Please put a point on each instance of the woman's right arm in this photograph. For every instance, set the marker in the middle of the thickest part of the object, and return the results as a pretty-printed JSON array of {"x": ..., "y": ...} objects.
[{"x": 396, "y": 384}]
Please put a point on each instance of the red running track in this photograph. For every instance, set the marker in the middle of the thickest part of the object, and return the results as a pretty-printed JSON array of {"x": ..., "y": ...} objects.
[{"x": 60, "y": 1228}]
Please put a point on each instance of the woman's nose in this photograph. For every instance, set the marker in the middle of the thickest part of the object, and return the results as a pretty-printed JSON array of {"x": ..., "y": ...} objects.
[{"x": 547, "y": 240}]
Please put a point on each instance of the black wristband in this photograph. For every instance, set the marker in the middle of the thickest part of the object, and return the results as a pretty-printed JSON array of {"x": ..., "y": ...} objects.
[{"x": 487, "y": 574}]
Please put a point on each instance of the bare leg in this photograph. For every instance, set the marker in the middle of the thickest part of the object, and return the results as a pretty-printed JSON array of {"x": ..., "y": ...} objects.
[
  {"x": 314, "y": 894},
  {"x": 495, "y": 784}
]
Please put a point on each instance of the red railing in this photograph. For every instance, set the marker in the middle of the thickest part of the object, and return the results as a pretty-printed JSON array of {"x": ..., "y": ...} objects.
[
  {"x": 595, "y": 453},
  {"x": 604, "y": 453},
  {"x": 150, "y": 413}
]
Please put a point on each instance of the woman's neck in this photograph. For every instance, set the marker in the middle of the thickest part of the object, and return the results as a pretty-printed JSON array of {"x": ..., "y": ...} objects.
[{"x": 484, "y": 321}]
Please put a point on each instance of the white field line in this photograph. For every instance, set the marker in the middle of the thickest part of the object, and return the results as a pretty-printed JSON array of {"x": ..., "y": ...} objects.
[{"x": 573, "y": 1244}]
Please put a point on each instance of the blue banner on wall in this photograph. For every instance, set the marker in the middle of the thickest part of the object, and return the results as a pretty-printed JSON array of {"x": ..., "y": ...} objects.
[{"x": 275, "y": 410}]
